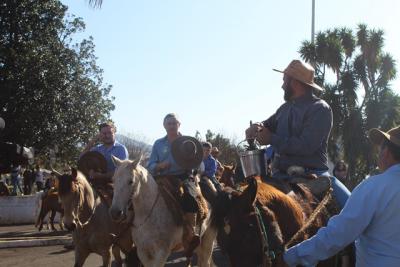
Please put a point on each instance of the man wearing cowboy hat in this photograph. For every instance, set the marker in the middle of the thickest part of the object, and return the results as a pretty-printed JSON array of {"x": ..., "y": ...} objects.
[
  {"x": 175, "y": 156},
  {"x": 300, "y": 128},
  {"x": 370, "y": 217}
]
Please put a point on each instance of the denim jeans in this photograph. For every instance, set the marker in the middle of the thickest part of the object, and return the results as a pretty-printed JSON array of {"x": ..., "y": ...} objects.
[{"x": 340, "y": 191}]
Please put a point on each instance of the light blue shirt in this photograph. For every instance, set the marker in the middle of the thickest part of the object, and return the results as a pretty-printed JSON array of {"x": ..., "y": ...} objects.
[
  {"x": 117, "y": 150},
  {"x": 371, "y": 217},
  {"x": 162, "y": 152},
  {"x": 210, "y": 166}
]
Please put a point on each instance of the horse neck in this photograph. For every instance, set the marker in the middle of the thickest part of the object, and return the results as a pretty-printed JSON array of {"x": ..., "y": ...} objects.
[
  {"x": 145, "y": 196},
  {"x": 88, "y": 201}
]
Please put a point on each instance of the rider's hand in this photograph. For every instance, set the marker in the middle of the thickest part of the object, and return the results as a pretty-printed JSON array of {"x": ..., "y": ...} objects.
[
  {"x": 163, "y": 165},
  {"x": 95, "y": 140},
  {"x": 251, "y": 132},
  {"x": 264, "y": 136}
]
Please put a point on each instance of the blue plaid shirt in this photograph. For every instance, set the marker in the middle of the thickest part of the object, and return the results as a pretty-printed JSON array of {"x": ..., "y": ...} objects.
[{"x": 117, "y": 150}]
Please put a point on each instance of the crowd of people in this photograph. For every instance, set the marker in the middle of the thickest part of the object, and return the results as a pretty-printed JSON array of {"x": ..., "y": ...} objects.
[{"x": 26, "y": 180}]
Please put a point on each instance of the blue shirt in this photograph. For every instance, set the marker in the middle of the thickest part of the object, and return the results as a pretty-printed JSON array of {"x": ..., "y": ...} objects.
[
  {"x": 117, "y": 150},
  {"x": 162, "y": 152},
  {"x": 371, "y": 217},
  {"x": 210, "y": 166},
  {"x": 300, "y": 130}
]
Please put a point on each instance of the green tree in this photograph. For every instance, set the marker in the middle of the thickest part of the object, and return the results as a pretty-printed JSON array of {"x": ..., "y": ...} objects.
[
  {"x": 360, "y": 94},
  {"x": 51, "y": 90}
]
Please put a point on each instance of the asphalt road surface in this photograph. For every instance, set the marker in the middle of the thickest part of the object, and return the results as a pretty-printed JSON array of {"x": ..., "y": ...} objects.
[{"x": 58, "y": 256}]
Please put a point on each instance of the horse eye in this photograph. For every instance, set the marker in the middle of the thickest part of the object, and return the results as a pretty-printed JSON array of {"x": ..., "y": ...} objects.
[{"x": 130, "y": 182}]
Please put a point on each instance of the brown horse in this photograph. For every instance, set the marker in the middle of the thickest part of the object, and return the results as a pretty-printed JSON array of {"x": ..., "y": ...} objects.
[
  {"x": 88, "y": 217},
  {"x": 227, "y": 175},
  {"x": 257, "y": 224},
  {"x": 50, "y": 203}
]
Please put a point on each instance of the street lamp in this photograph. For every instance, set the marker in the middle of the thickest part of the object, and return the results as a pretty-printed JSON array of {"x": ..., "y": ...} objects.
[{"x": 313, "y": 22}]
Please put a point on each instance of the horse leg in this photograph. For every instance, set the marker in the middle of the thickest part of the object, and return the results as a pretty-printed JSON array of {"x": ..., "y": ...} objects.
[
  {"x": 117, "y": 255},
  {"x": 52, "y": 216},
  {"x": 61, "y": 223},
  {"x": 204, "y": 251},
  {"x": 106, "y": 255},
  {"x": 80, "y": 257}
]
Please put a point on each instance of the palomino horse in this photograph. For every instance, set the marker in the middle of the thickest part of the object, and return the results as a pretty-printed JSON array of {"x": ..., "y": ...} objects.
[
  {"x": 259, "y": 222},
  {"x": 50, "y": 203},
  {"x": 88, "y": 218},
  {"x": 154, "y": 230}
]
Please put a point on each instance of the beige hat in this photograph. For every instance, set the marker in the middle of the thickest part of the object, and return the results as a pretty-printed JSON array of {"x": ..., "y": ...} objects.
[
  {"x": 302, "y": 72},
  {"x": 377, "y": 136}
]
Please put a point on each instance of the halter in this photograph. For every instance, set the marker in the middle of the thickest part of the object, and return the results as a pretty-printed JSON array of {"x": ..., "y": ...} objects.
[
  {"x": 130, "y": 207},
  {"x": 266, "y": 252}
]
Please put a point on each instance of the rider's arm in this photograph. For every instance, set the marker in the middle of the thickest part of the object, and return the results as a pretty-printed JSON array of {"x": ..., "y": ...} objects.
[
  {"x": 341, "y": 230},
  {"x": 154, "y": 159},
  {"x": 315, "y": 131}
]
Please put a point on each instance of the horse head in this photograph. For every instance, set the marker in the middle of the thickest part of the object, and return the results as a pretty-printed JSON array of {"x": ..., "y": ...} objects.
[
  {"x": 70, "y": 193},
  {"x": 127, "y": 177},
  {"x": 251, "y": 232}
]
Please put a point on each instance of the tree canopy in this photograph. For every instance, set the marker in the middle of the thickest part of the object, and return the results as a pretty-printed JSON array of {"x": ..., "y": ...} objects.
[
  {"x": 51, "y": 89},
  {"x": 360, "y": 94}
]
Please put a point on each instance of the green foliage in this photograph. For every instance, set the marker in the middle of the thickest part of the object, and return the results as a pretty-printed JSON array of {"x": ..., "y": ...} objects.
[
  {"x": 360, "y": 96},
  {"x": 51, "y": 90}
]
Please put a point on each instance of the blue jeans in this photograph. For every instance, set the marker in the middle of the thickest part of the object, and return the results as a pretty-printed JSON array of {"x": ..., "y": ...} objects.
[{"x": 340, "y": 191}]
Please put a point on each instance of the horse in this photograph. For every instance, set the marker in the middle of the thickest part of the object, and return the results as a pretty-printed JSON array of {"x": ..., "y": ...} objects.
[
  {"x": 50, "y": 203},
  {"x": 154, "y": 229},
  {"x": 227, "y": 175},
  {"x": 258, "y": 222},
  {"x": 87, "y": 217}
]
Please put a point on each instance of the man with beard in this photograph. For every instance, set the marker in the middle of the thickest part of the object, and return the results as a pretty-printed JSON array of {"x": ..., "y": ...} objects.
[{"x": 299, "y": 130}]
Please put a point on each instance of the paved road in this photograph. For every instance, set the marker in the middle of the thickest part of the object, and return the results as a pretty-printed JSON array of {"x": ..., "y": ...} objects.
[{"x": 59, "y": 257}]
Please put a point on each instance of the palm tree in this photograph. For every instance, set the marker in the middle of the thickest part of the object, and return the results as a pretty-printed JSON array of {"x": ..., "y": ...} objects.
[{"x": 360, "y": 96}]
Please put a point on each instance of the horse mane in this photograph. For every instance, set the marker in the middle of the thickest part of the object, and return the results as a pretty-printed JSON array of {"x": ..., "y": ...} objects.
[{"x": 285, "y": 208}]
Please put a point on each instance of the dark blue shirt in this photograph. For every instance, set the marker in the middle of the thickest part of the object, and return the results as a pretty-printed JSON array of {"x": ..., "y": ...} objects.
[{"x": 300, "y": 133}]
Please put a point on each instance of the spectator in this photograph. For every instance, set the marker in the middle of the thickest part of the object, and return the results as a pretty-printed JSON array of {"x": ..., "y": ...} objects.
[
  {"x": 15, "y": 179},
  {"x": 28, "y": 180},
  {"x": 39, "y": 179},
  {"x": 215, "y": 154},
  {"x": 340, "y": 171},
  {"x": 210, "y": 165}
]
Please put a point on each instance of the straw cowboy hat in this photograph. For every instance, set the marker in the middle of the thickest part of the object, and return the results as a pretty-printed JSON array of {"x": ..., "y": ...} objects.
[
  {"x": 377, "y": 136},
  {"x": 302, "y": 72},
  {"x": 187, "y": 152}
]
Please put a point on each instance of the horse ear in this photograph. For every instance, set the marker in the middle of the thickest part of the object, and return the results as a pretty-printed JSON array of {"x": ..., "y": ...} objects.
[
  {"x": 74, "y": 173},
  {"x": 116, "y": 161},
  {"x": 233, "y": 166},
  {"x": 136, "y": 162},
  {"x": 251, "y": 190}
]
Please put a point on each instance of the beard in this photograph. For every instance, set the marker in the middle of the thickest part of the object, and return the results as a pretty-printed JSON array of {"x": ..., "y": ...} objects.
[{"x": 288, "y": 93}]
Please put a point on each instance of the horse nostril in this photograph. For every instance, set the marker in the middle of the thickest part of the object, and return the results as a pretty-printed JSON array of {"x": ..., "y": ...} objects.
[{"x": 115, "y": 214}]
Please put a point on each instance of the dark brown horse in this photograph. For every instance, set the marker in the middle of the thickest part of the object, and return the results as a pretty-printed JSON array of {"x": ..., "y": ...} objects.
[
  {"x": 258, "y": 223},
  {"x": 50, "y": 203}
]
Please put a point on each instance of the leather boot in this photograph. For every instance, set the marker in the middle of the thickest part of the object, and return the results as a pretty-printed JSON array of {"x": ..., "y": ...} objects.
[{"x": 189, "y": 233}]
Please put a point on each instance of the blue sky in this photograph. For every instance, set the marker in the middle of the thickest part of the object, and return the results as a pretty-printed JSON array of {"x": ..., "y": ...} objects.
[{"x": 211, "y": 61}]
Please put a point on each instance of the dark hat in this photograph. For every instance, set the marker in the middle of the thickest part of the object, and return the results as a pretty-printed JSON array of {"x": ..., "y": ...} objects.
[
  {"x": 92, "y": 160},
  {"x": 377, "y": 136},
  {"x": 187, "y": 152}
]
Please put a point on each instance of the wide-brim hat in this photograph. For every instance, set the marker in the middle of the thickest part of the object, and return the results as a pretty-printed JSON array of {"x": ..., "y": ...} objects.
[
  {"x": 187, "y": 152},
  {"x": 377, "y": 136},
  {"x": 92, "y": 160},
  {"x": 302, "y": 72}
]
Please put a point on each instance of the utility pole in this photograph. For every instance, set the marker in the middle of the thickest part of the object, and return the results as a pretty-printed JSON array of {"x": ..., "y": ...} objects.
[{"x": 313, "y": 22}]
